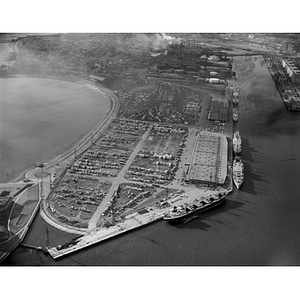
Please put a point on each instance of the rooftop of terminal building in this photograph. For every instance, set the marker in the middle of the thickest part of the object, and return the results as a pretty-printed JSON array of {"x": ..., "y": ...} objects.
[{"x": 209, "y": 158}]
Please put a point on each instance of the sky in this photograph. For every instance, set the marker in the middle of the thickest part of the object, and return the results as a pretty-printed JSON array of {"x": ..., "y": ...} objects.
[
  {"x": 152, "y": 16},
  {"x": 149, "y": 16}
]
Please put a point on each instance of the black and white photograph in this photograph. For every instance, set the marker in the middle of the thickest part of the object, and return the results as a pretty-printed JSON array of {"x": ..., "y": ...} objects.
[{"x": 150, "y": 148}]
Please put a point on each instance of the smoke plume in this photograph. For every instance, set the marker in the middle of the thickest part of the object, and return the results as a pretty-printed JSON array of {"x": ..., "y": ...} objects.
[
  {"x": 157, "y": 41},
  {"x": 163, "y": 40}
]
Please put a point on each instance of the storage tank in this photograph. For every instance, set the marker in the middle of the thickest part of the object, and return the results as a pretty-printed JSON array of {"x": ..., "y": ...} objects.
[
  {"x": 214, "y": 58},
  {"x": 213, "y": 80}
]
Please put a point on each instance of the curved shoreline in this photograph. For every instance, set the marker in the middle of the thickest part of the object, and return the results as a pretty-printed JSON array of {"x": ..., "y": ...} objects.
[
  {"x": 58, "y": 226},
  {"x": 82, "y": 144}
]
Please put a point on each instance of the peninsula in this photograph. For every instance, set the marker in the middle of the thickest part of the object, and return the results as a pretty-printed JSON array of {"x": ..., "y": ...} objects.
[{"x": 166, "y": 142}]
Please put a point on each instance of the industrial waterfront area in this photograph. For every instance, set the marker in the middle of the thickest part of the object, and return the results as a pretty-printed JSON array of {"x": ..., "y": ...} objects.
[{"x": 166, "y": 141}]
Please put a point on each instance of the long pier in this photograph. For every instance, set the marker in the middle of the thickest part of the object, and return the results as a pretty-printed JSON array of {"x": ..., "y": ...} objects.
[
  {"x": 37, "y": 248},
  {"x": 131, "y": 222},
  {"x": 97, "y": 235}
]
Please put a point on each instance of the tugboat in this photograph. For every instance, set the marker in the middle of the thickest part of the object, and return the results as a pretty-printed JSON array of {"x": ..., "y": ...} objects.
[
  {"x": 238, "y": 171},
  {"x": 181, "y": 212},
  {"x": 235, "y": 115},
  {"x": 237, "y": 142}
]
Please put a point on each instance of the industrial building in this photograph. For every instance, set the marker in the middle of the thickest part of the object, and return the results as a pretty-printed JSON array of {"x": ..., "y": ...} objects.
[
  {"x": 292, "y": 70},
  {"x": 218, "y": 110},
  {"x": 209, "y": 159},
  {"x": 288, "y": 47}
]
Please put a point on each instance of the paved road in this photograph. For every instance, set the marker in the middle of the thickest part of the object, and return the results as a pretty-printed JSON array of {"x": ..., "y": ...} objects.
[{"x": 116, "y": 181}]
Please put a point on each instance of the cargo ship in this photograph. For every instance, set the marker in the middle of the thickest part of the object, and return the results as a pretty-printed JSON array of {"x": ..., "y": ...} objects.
[
  {"x": 237, "y": 143},
  {"x": 235, "y": 115},
  {"x": 235, "y": 94},
  {"x": 180, "y": 212},
  {"x": 238, "y": 171}
]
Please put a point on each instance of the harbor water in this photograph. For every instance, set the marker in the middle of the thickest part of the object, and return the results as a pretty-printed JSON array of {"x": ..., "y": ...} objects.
[
  {"x": 257, "y": 225},
  {"x": 42, "y": 118}
]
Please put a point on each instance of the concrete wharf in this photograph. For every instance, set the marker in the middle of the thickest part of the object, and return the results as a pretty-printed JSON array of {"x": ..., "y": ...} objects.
[
  {"x": 131, "y": 222},
  {"x": 32, "y": 247}
]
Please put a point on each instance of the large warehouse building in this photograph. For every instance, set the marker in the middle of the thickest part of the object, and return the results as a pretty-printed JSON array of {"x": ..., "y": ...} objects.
[
  {"x": 292, "y": 70},
  {"x": 209, "y": 159}
]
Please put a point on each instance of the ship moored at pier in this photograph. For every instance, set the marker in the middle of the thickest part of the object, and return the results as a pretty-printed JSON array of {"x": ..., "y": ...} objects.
[
  {"x": 180, "y": 212},
  {"x": 235, "y": 94},
  {"x": 237, "y": 142},
  {"x": 238, "y": 172},
  {"x": 235, "y": 114}
]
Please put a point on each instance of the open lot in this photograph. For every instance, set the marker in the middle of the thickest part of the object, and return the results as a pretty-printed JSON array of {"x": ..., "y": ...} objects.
[
  {"x": 87, "y": 181},
  {"x": 157, "y": 161}
]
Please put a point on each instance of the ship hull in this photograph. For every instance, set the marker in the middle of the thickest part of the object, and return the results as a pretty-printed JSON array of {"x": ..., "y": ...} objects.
[
  {"x": 237, "y": 150},
  {"x": 238, "y": 172},
  {"x": 237, "y": 143},
  {"x": 237, "y": 184},
  {"x": 180, "y": 218},
  {"x": 235, "y": 115},
  {"x": 235, "y": 100}
]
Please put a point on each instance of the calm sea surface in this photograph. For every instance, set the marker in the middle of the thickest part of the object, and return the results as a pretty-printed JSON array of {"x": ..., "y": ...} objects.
[
  {"x": 41, "y": 118},
  {"x": 259, "y": 225}
]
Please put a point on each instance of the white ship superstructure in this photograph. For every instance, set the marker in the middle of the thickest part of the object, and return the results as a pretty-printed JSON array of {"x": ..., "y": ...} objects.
[
  {"x": 235, "y": 114},
  {"x": 238, "y": 171},
  {"x": 237, "y": 142}
]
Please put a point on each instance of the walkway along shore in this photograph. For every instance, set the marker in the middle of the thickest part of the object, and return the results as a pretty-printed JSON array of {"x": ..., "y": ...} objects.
[
  {"x": 64, "y": 159},
  {"x": 80, "y": 147}
]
